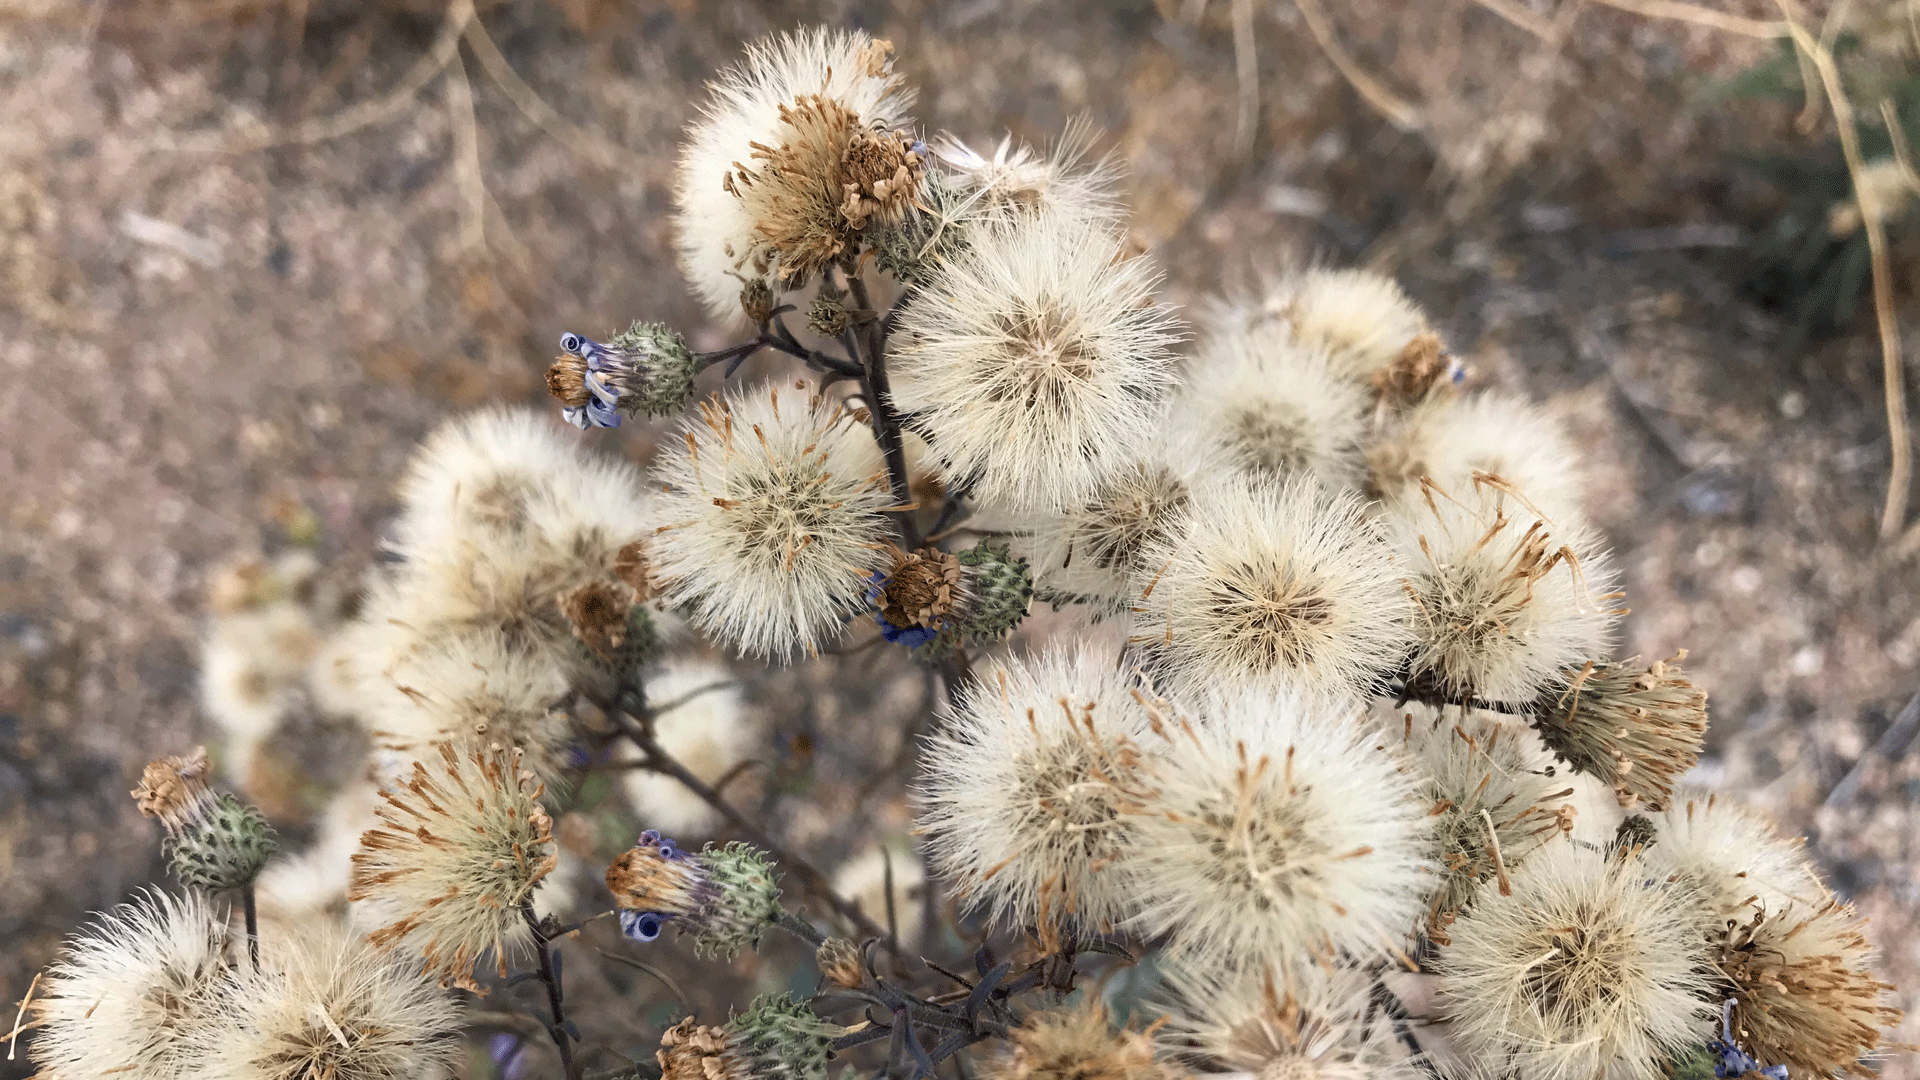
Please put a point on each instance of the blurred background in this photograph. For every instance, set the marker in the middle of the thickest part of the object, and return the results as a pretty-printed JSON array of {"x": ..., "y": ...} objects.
[{"x": 252, "y": 250}]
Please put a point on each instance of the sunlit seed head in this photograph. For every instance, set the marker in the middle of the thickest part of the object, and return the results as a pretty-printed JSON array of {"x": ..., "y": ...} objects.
[
  {"x": 463, "y": 842},
  {"x": 1804, "y": 993},
  {"x": 1504, "y": 601},
  {"x": 1450, "y": 439},
  {"x": 1021, "y": 803},
  {"x": 1493, "y": 800},
  {"x": 137, "y": 992},
  {"x": 1270, "y": 584},
  {"x": 1078, "y": 1042},
  {"x": 1017, "y": 179},
  {"x": 770, "y": 506},
  {"x": 1362, "y": 319},
  {"x": 473, "y": 688},
  {"x": 1275, "y": 831},
  {"x": 714, "y": 227},
  {"x": 327, "y": 1005},
  {"x": 1732, "y": 856},
  {"x": 1043, "y": 365},
  {"x": 1273, "y": 407},
  {"x": 1256, "y": 1024},
  {"x": 1587, "y": 968},
  {"x": 1093, "y": 550}
]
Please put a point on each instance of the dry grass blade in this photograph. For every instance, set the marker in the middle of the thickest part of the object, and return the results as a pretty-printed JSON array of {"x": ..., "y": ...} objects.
[
  {"x": 1700, "y": 16},
  {"x": 1520, "y": 17},
  {"x": 1247, "y": 67},
  {"x": 1403, "y": 115},
  {"x": 466, "y": 161},
  {"x": 587, "y": 143}
]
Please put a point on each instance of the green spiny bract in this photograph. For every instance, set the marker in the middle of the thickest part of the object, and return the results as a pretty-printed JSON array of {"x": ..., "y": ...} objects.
[
  {"x": 664, "y": 378},
  {"x": 996, "y": 590},
  {"x": 224, "y": 848},
  {"x": 746, "y": 900},
  {"x": 778, "y": 1038}
]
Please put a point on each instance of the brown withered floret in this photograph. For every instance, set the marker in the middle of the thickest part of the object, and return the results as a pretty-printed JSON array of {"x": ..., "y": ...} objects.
[
  {"x": 630, "y": 566},
  {"x": 1412, "y": 375},
  {"x": 567, "y": 381},
  {"x": 174, "y": 788},
  {"x": 921, "y": 589},
  {"x": 692, "y": 1051},
  {"x": 839, "y": 960},
  {"x": 598, "y": 611}
]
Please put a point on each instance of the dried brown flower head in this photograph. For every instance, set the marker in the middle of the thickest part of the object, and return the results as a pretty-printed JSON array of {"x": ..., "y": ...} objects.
[
  {"x": 883, "y": 175},
  {"x": 1803, "y": 989},
  {"x": 463, "y": 843},
  {"x": 840, "y": 961},
  {"x": 1076, "y": 1044},
  {"x": 567, "y": 380},
  {"x": 598, "y": 611},
  {"x": 922, "y": 588},
  {"x": 1636, "y": 730},
  {"x": 692, "y": 1051},
  {"x": 174, "y": 788}
]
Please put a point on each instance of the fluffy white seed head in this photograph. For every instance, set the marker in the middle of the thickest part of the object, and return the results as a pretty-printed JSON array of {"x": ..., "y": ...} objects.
[
  {"x": 1277, "y": 832},
  {"x": 713, "y": 231},
  {"x": 1093, "y": 550},
  {"x": 1732, "y": 856},
  {"x": 1273, "y": 407},
  {"x": 1254, "y": 1024},
  {"x": 1272, "y": 584},
  {"x": 473, "y": 688},
  {"x": 1504, "y": 602},
  {"x": 326, "y": 1005},
  {"x": 1017, "y": 179},
  {"x": 252, "y": 666},
  {"x": 1021, "y": 804},
  {"x": 298, "y": 889},
  {"x": 771, "y": 520},
  {"x": 137, "y": 993},
  {"x": 464, "y": 841},
  {"x": 1589, "y": 968},
  {"x": 1035, "y": 362},
  {"x": 1363, "y": 319},
  {"x": 704, "y": 722},
  {"x": 1491, "y": 793},
  {"x": 1450, "y": 438}
]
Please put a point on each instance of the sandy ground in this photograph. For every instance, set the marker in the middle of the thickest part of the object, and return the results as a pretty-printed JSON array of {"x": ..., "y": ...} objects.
[{"x": 209, "y": 343}]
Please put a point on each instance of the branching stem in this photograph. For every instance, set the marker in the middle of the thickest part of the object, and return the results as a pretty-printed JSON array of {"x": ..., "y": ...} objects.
[{"x": 551, "y": 978}]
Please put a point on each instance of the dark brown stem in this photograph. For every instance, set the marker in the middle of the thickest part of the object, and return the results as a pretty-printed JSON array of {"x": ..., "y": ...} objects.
[
  {"x": 641, "y": 733},
  {"x": 557, "y": 1028},
  {"x": 1426, "y": 693},
  {"x": 871, "y": 354}
]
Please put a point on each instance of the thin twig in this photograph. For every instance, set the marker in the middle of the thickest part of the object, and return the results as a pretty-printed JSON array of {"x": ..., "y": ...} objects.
[
  {"x": 871, "y": 356},
  {"x": 1893, "y": 370},
  {"x": 1400, "y": 113},
  {"x": 251, "y": 912},
  {"x": 587, "y": 143}
]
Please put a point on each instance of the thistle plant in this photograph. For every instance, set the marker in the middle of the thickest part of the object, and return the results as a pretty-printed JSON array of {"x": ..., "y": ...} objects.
[{"x": 1265, "y": 650}]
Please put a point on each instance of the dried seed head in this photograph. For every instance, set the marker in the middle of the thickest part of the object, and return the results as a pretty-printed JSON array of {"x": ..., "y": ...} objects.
[
  {"x": 1262, "y": 1025},
  {"x": 692, "y": 1051},
  {"x": 1076, "y": 1043},
  {"x": 567, "y": 381},
  {"x": 1803, "y": 988},
  {"x": 757, "y": 301},
  {"x": 827, "y": 314},
  {"x": 1093, "y": 551},
  {"x": 773, "y": 502},
  {"x": 598, "y": 613},
  {"x": 1492, "y": 801},
  {"x": 1734, "y": 858},
  {"x": 630, "y": 566},
  {"x": 1504, "y": 600},
  {"x": 1634, "y": 729},
  {"x": 1585, "y": 969},
  {"x": 463, "y": 843},
  {"x": 1422, "y": 366},
  {"x": 882, "y": 177},
  {"x": 1025, "y": 785},
  {"x": 174, "y": 788}
]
